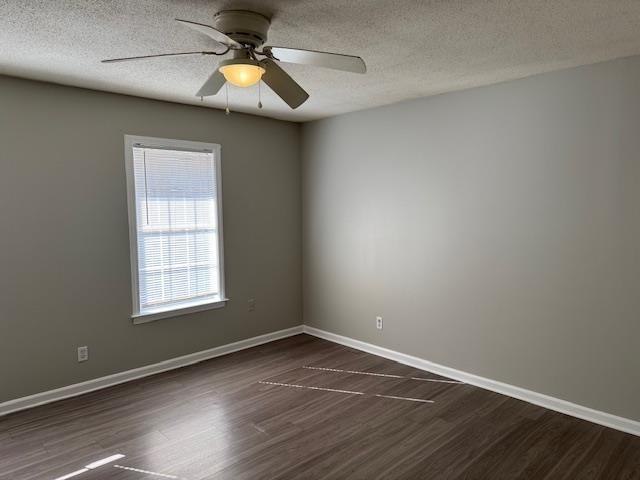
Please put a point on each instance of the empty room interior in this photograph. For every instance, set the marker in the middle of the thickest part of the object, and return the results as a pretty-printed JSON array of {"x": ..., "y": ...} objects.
[{"x": 308, "y": 239}]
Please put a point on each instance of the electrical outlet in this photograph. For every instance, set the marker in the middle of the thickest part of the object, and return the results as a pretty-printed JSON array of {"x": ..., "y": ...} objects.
[
  {"x": 251, "y": 304},
  {"x": 83, "y": 354},
  {"x": 379, "y": 323}
]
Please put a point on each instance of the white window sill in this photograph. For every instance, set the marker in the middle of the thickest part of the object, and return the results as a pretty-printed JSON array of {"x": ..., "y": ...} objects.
[{"x": 176, "y": 311}]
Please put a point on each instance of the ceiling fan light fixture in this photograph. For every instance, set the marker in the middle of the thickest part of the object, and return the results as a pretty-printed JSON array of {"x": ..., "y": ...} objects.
[
  {"x": 241, "y": 72},
  {"x": 243, "y": 34}
]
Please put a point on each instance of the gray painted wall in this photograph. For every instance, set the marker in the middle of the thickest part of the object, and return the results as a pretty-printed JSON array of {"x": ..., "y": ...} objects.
[
  {"x": 64, "y": 247},
  {"x": 497, "y": 230}
]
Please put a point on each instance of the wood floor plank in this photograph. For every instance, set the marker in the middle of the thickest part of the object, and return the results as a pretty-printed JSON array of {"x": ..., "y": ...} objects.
[{"x": 261, "y": 414}]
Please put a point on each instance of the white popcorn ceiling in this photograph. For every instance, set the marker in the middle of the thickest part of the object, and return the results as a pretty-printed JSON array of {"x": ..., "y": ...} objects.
[{"x": 413, "y": 48}]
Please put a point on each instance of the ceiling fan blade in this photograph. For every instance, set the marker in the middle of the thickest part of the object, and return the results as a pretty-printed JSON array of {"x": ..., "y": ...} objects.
[
  {"x": 211, "y": 32},
  {"x": 348, "y": 63},
  {"x": 213, "y": 85},
  {"x": 144, "y": 57},
  {"x": 282, "y": 84}
]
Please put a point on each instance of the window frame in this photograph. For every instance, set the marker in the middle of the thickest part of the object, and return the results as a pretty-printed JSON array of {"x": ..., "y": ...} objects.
[{"x": 130, "y": 141}]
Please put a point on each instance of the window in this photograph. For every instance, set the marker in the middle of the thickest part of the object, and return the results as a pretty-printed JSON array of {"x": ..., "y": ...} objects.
[{"x": 175, "y": 226}]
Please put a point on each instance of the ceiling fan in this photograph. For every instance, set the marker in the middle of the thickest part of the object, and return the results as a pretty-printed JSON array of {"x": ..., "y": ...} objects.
[{"x": 243, "y": 33}]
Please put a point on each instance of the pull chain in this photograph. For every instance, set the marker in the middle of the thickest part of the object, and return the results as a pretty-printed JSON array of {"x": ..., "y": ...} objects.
[
  {"x": 226, "y": 110},
  {"x": 259, "y": 94}
]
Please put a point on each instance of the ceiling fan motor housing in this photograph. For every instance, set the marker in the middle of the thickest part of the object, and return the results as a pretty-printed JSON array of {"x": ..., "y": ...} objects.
[{"x": 248, "y": 28}]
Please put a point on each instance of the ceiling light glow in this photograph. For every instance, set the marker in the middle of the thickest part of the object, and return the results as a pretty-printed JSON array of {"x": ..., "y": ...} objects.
[{"x": 242, "y": 73}]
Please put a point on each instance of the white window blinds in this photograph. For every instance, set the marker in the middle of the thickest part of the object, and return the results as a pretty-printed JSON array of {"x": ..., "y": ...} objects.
[{"x": 176, "y": 227}]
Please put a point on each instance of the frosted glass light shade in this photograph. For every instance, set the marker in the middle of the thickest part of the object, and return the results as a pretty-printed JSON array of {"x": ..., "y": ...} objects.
[{"x": 242, "y": 74}]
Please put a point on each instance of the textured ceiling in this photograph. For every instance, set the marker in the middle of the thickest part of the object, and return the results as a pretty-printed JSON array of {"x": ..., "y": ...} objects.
[{"x": 412, "y": 48}]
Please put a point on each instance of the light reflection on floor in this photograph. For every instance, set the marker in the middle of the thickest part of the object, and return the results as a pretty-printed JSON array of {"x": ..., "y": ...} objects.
[
  {"x": 222, "y": 440},
  {"x": 146, "y": 472},
  {"x": 107, "y": 463}
]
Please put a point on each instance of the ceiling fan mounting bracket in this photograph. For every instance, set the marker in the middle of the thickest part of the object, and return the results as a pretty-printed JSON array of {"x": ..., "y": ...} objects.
[{"x": 244, "y": 26}]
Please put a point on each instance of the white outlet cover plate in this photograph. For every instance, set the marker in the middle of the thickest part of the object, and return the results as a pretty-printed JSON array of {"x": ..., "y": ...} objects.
[{"x": 83, "y": 354}]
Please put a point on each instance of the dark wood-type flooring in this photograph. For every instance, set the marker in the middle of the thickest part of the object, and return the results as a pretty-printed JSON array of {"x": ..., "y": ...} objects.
[{"x": 214, "y": 420}]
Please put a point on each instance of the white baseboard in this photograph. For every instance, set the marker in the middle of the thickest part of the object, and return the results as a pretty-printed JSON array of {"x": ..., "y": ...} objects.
[
  {"x": 552, "y": 403},
  {"x": 110, "y": 380}
]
